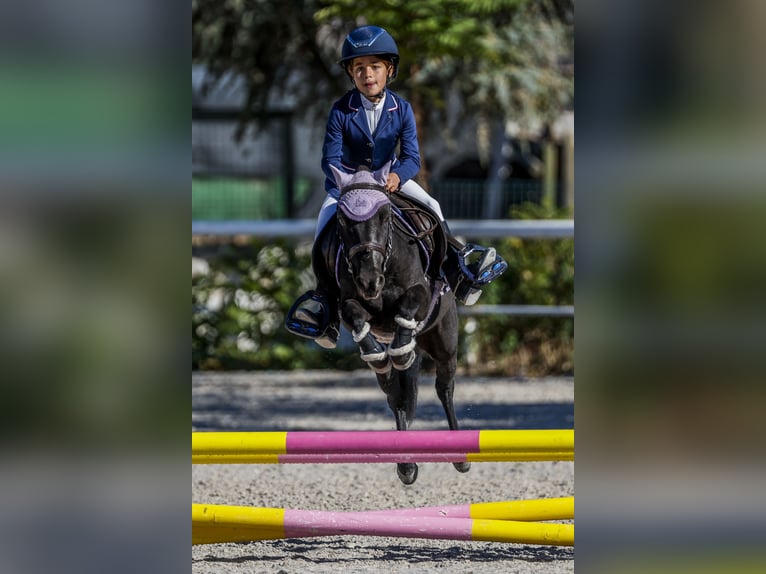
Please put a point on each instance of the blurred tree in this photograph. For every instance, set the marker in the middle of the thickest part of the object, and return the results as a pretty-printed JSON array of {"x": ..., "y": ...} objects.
[
  {"x": 274, "y": 45},
  {"x": 504, "y": 59}
]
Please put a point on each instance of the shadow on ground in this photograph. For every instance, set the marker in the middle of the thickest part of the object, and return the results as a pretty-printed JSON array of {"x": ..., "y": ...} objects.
[
  {"x": 268, "y": 403},
  {"x": 339, "y": 552}
]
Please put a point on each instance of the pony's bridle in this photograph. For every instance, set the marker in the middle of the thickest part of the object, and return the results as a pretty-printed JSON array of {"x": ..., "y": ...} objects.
[{"x": 384, "y": 250}]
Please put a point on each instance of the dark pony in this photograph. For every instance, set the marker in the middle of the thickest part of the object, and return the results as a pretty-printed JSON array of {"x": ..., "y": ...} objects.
[{"x": 393, "y": 307}]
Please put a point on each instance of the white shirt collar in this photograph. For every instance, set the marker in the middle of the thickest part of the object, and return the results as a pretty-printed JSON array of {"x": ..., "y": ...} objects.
[{"x": 368, "y": 105}]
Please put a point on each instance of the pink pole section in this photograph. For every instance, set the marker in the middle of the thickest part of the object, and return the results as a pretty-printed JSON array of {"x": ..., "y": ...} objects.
[
  {"x": 368, "y": 458},
  {"x": 382, "y": 441},
  {"x": 452, "y": 511},
  {"x": 300, "y": 523},
  {"x": 420, "y": 457}
]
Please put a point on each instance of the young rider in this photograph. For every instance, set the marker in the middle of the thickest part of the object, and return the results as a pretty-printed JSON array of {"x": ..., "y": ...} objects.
[{"x": 363, "y": 131}]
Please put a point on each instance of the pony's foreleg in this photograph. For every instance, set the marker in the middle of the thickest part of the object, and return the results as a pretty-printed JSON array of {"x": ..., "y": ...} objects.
[
  {"x": 401, "y": 394},
  {"x": 401, "y": 389},
  {"x": 371, "y": 351},
  {"x": 402, "y": 349}
]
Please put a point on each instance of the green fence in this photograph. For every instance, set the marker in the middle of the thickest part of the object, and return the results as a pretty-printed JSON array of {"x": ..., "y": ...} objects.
[
  {"x": 221, "y": 198},
  {"x": 464, "y": 198},
  {"x": 237, "y": 198}
]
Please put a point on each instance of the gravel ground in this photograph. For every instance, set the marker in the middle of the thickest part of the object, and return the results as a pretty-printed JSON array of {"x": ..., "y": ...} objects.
[{"x": 331, "y": 400}]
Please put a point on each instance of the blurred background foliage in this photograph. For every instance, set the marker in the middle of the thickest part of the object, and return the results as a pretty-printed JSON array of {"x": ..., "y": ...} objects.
[
  {"x": 511, "y": 60},
  {"x": 241, "y": 291},
  {"x": 540, "y": 272}
]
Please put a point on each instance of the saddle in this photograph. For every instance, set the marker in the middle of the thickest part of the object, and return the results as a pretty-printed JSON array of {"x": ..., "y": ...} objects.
[{"x": 410, "y": 216}]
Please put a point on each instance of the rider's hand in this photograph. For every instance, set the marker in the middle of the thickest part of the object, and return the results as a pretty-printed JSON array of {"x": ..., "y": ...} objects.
[{"x": 392, "y": 184}]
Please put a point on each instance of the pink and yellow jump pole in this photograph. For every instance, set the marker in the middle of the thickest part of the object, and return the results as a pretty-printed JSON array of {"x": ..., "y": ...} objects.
[
  {"x": 381, "y": 446},
  {"x": 510, "y": 521},
  {"x": 481, "y": 522}
]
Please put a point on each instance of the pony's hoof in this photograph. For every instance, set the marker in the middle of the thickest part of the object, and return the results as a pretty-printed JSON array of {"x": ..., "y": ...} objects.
[
  {"x": 407, "y": 472},
  {"x": 462, "y": 466}
]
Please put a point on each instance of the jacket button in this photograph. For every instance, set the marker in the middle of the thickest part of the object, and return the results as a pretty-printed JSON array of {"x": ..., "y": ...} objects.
[
  {"x": 370, "y": 144},
  {"x": 368, "y": 160}
]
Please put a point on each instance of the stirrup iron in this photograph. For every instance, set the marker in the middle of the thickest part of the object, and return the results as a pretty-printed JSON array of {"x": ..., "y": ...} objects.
[
  {"x": 486, "y": 267},
  {"x": 312, "y": 325},
  {"x": 481, "y": 273}
]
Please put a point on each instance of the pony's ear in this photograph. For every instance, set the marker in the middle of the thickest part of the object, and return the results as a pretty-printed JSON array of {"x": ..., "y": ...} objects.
[
  {"x": 341, "y": 178},
  {"x": 381, "y": 175}
]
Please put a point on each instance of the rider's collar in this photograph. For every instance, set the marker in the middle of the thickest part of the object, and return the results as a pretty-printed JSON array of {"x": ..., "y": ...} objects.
[{"x": 370, "y": 105}]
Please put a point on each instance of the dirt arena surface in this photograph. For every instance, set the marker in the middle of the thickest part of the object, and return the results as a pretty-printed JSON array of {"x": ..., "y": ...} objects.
[{"x": 333, "y": 400}]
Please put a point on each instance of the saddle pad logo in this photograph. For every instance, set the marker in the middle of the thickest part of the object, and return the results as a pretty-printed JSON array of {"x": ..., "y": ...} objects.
[{"x": 362, "y": 204}]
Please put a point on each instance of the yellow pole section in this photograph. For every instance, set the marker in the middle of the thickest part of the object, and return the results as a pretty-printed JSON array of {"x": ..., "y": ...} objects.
[
  {"x": 523, "y": 532},
  {"x": 231, "y": 443},
  {"x": 218, "y": 523},
  {"x": 519, "y": 456},
  {"x": 523, "y": 510},
  {"x": 526, "y": 440}
]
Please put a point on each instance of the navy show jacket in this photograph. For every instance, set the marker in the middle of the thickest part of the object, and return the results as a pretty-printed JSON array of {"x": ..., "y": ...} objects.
[{"x": 349, "y": 145}]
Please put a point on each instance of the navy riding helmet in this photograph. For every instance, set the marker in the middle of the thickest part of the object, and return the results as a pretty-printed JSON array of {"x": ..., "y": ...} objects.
[{"x": 370, "y": 41}]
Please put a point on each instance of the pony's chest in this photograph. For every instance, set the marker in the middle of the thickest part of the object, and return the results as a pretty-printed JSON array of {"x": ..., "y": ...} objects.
[{"x": 382, "y": 313}]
